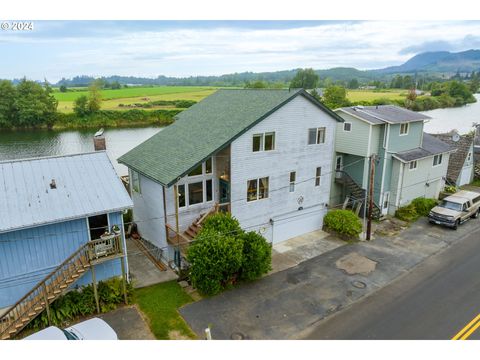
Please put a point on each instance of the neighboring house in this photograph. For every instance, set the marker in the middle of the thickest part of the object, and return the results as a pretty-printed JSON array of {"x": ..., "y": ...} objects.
[
  {"x": 265, "y": 156},
  {"x": 53, "y": 211},
  {"x": 410, "y": 163},
  {"x": 461, "y": 162}
]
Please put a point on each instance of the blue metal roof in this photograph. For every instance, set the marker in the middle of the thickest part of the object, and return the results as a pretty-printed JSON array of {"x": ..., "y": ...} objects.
[{"x": 85, "y": 185}]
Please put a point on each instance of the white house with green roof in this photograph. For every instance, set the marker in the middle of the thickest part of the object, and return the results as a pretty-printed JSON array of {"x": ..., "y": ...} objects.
[
  {"x": 409, "y": 162},
  {"x": 265, "y": 156}
]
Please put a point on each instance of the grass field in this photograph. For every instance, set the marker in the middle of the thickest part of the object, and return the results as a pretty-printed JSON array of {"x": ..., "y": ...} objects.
[
  {"x": 160, "y": 303},
  {"x": 369, "y": 95},
  {"x": 112, "y": 98}
]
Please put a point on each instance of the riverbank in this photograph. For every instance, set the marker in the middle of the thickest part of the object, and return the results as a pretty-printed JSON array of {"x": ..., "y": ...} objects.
[{"x": 109, "y": 119}]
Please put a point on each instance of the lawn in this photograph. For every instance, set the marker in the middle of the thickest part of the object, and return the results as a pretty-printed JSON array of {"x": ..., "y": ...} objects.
[
  {"x": 112, "y": 98},
  {"x": 369, "y": 95},
  {"x": 160, "y": 304}
]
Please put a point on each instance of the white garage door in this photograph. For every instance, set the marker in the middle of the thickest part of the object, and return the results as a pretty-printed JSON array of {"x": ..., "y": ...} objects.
[
  {"x": 297, "y": 223},
  {"x": 465, "y": 176}
]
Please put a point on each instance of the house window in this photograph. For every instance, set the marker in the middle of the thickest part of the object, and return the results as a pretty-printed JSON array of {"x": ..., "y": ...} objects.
[
  {"x": 412, "y": 165},
  {"x": 269, "y": 141},
  {"x": 195, "y": 193},
  {"x": 263, "y": 142},
  {"x": 197, "y": 171},
  {"x": 404, "y": 129},
  {"x": 135, "y": 182},
  {"x": 347, "y": 126},
  {"x": 208, "y": 166},
  {"x": 316, "y": 136},
  {"x": 437, "y": 160},
  {"x": 469, "y": 156},
  {"x": 318, "y": 175},
  {"x": 209, "y": 190},
  {"x": 97, "y": 226},
  {"x": 181, "y": 196},
  {"x": 257, "y": 189},
  {"x": 293, "y": 176}
]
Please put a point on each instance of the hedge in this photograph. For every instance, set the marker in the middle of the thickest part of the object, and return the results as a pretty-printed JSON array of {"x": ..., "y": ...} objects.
[{"x": 343, "y": 222}]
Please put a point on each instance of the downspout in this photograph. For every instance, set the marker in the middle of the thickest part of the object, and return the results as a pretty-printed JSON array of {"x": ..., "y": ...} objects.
[
  {"x": 387, "y": 134},
  {"x": 165, "y": 213}
]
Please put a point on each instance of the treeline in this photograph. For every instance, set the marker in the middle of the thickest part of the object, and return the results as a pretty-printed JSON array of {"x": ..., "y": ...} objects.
[{"x": 27, "y": 104}]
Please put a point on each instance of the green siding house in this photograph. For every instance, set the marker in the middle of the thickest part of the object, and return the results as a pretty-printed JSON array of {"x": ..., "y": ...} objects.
[{"x": 408, "y": 162}]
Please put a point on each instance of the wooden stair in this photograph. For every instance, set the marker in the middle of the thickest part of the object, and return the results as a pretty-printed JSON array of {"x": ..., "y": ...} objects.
[{"x": 53, "y": 286}]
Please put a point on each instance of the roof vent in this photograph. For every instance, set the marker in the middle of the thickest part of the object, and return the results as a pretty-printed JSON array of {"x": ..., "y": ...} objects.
[{"x": 53, "y": 185}]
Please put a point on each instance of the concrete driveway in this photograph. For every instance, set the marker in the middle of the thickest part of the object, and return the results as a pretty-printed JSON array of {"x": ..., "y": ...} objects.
[
  {"x": 128, "y": 323},
  {"x": 283, "y": 305}
]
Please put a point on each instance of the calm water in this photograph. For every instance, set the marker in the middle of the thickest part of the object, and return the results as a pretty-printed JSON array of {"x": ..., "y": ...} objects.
[
  {"x": 25, "y": 144},
  {"x": 28, "y": 144},
  {"x": 461, "y": 119}
]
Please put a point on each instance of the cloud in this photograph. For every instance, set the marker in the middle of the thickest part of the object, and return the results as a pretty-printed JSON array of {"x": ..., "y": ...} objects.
[{"x": 178, "y": 48}]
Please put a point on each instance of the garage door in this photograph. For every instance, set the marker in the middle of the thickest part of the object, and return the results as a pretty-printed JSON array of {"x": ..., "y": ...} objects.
[
  {"x": 465, "y": 176},
  {"x": 297, "y": 223}
]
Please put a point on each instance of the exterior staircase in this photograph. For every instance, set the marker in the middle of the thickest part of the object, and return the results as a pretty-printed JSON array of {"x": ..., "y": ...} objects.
[
  {"x": 357, "y": 194},
  {"x": 56, "y": 284}
]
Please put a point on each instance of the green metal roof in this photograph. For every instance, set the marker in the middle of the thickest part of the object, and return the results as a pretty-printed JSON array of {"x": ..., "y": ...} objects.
[{"x": 204, "y": 129}]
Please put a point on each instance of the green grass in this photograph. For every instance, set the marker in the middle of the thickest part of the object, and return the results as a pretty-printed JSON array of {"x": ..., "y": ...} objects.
[
  {"x": 160, "y": 304},
  {"x": 112, "y": 98},
  {"x": 369, "y": 95},
  {"x": 476, "y": 182}
]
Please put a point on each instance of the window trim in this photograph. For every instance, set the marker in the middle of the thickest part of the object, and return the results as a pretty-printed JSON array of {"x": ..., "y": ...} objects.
[
  {"x": 262, "y": 137},
  {"x": 410, "y": 165},
  {"x": 291, "y": 188},
  {"x": 439, "y": 156},
  {"x": 317, "y": 132},
  {"x": 345, "y": 123},
  {"x": 258, "y": 189},
  {"x": 408, "y": 129},
  {"x": 318, "y": 178}
]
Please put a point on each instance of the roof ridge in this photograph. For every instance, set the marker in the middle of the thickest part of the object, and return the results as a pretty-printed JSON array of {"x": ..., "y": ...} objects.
[{"x": 53, "y": 156}]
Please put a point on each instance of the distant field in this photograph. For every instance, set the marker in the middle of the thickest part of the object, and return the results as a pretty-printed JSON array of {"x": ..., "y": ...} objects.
[
  {"x": 369, "y": 95},
  {"x": 132, "y": 95}
]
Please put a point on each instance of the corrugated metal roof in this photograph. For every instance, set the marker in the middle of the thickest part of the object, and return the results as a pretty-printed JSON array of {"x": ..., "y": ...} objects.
[
  {"x": 430, "y": 146},
  {"x": 205, "y": 128},
  {"x": 86, "y": 184},
  {"x": 382, "y": 114}
]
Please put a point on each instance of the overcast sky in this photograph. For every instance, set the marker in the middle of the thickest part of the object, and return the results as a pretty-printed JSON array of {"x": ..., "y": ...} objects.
[{"x": 56, "y": 49}]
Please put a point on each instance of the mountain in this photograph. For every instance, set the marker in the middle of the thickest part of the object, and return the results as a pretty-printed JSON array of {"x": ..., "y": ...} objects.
[
  {"x": 438, "y": 62},
  {"x": 433, "y": 63}
]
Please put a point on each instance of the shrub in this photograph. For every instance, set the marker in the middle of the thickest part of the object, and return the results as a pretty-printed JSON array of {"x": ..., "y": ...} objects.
[
  {"x": 82, "y": 303},
  {"x": 407, "y": 213},
  {"x": 257, "y": 256},
  {"x": 184, "y": 103},
  {"x": 450, "y": 189},
  {"x": 423, "y": 205},
  {"x": 214, "y": 259},
  {"x": 223, "y": 223},
  {"x": 343, "y": 222}
]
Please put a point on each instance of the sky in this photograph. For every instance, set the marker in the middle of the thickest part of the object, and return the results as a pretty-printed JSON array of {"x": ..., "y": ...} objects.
[{"x": 57, "y": 49}]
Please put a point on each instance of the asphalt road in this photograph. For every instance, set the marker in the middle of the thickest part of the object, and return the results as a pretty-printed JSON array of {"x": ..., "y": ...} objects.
[{"x": 436, "y": 300}]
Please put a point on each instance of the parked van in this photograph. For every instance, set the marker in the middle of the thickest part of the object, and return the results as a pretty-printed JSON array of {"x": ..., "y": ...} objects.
[{"x": 456, "y": 209}]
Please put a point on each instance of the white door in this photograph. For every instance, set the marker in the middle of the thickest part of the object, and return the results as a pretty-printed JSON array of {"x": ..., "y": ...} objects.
[
  {"x": 465, "y": 176},
  {"x": 297, "y": 224},
  {"x": 338, "y": 165},
  {"x": 385, "y": 202}
]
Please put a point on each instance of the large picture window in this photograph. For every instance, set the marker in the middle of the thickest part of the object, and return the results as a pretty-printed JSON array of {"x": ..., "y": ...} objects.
[
  {"x": 182, "y": 200},
  {"x": 195, "y": 193},
  {"x": 135, "y": 181},
  {"x": 257, "y": 189}
]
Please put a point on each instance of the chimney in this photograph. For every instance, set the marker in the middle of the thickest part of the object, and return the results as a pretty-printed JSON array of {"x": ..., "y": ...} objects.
[{"x": 99, "y": 141}]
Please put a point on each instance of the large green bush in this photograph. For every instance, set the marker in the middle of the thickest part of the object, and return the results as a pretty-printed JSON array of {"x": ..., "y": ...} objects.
[
  {"x": 343, "y": 222},
  {"x": 424, "y": 205},
  {"x": 223, "y": 223},
  {"x": 257, "y": 256},
  {"x": 223, "y": 252},
  {"x": 215, "y": 260}
]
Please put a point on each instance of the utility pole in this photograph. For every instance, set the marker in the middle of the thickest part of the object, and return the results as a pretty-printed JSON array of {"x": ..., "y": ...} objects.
[{"x": 370, "y": 195}]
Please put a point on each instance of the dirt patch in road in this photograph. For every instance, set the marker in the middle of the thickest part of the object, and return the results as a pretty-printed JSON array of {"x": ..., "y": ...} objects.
[{"x": 354, "y": 263}]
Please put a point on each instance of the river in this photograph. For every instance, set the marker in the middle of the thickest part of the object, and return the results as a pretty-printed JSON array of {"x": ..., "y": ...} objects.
[{"x": 35, "y": 143}]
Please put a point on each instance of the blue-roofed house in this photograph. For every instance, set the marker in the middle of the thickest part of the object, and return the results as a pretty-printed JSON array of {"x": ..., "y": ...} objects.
[
  {"x": 61, "y": 225},
  {"x": 409, "y": 163}
]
